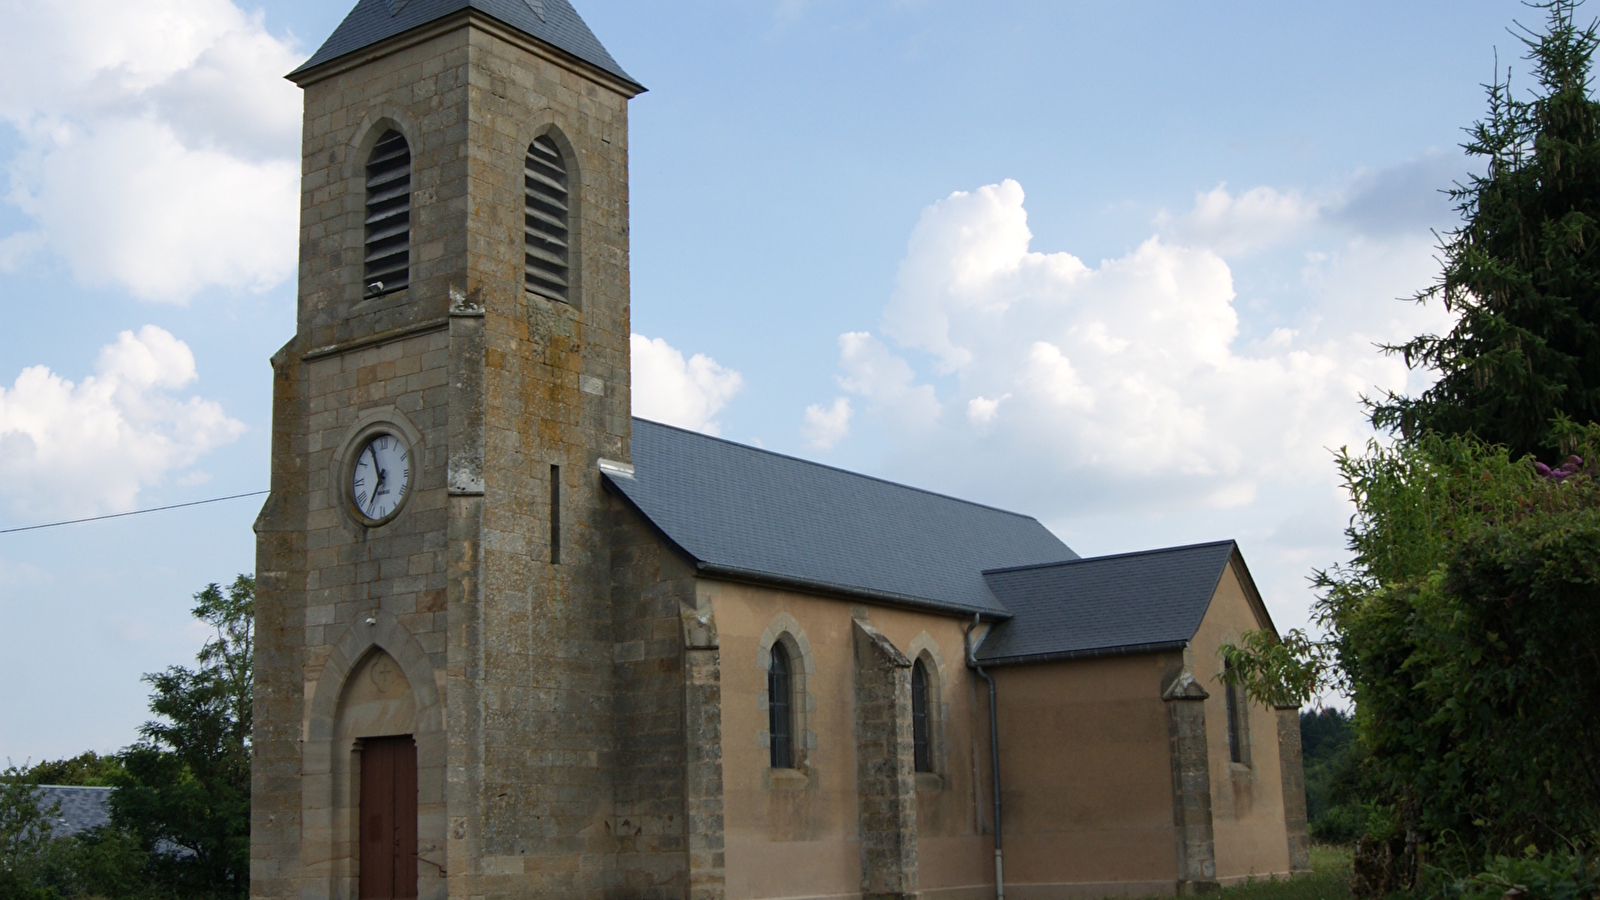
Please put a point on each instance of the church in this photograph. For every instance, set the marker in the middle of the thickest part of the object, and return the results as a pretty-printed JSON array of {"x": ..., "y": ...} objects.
[{"x": 513, "y": 642}]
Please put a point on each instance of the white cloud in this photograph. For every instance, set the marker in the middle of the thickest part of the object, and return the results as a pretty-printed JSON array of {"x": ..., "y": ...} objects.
[
  {"x": 981, "y": 411},
  {"x": 826, "y": 426},
  {"x": 81, "y": 448},
  {"x": 158, "y": 142},
  {"x": 887, "y": 382},
  {"x": 1233, "y": 226},
  {"x": 1141, "y": 403},
  {"x": 1129, "y": 382},
  {"x": 687, "y": 393}
]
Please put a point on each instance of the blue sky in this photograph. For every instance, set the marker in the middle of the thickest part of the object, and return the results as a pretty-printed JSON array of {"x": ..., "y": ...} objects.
[{"x": 1118, "y": 266}]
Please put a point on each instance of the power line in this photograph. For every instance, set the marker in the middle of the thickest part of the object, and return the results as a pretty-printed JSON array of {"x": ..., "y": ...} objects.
[{"x": 137, "y": 512}]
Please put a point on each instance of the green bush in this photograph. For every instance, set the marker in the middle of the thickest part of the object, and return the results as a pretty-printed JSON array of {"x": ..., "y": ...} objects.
[
  {"x": 1465, "y": 629},
  {"x": 1567, "y": 874}
]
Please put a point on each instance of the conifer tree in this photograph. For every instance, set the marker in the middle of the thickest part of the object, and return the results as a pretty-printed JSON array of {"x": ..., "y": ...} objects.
[{"x": 1522, "y": 273}]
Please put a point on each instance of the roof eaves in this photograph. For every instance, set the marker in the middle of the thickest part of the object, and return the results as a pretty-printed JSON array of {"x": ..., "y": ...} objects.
[
  {"x": 1251, "y": 592},
  {"x": 849, "y": 592},
  {"x": 1087, "y": 653},
  {"x": 307, "y": 74}
]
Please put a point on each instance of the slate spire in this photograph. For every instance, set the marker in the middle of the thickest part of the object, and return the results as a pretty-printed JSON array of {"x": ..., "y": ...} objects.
[{"x": 554, "y": 22}]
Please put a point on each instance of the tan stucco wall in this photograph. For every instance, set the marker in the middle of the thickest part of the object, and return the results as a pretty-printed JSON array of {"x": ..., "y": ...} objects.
[
  {"x": 1087, "y": 783},
  {"x": 1085, "y": 755},
  {"x": 1246, "y": 801},
  {"x": 797, "y": 838}
]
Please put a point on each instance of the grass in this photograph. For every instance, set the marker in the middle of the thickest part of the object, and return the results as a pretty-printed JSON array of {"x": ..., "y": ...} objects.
[{"x": 1329, "y": 879}]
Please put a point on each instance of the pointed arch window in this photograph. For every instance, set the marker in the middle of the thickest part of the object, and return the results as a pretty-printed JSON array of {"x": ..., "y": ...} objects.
[
  {"x": 388, "y": 221},
  {"x": 546, "y": 217},
  {"x": 1238, "y": 724},
  {"x": 781, "y": 718},
  {"x": 921, "y": 733}
]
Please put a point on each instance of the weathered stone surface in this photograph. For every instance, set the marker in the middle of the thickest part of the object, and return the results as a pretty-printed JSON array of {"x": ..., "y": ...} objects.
[
  {"x": 520, "y": 788},
  {"x": 1191, "y": 784},
  {"x": 1292, "y": 768},
  {"x": 886, "y": 785}
]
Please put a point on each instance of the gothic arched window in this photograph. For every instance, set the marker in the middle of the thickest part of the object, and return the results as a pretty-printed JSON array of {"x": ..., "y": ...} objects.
[
  {"x": 388, "y": 220},
  {"x": 921, "y": 734},
  {"x": 545, "y": 221},
  {"x": 781, "y": 719}
]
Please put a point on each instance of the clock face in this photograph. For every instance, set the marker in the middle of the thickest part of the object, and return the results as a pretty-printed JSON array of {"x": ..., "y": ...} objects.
[{"x": 381, "y": 477}]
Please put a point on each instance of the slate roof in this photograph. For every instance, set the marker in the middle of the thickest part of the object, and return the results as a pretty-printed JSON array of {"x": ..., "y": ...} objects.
[
  {"x": 749, "y": 514},
  {"x": 554, "y": 22},
  {"x": 1126, "y": 603},
  {"x": 82, "y": 808}
]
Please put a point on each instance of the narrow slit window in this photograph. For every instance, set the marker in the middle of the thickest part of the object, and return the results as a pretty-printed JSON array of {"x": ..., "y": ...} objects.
[
  {"x": 1236, "y": 734},
  {"x": 780, "y": 718},
  {"x": 546, "y": 215},
  {"x": 555, "y": 515},
  {"x": 388, "y": 221},
  {"x": 922, "y": 747}
]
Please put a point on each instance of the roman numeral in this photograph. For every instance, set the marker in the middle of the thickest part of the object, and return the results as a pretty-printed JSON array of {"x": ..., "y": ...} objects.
[{"x": 361, "y": 499}]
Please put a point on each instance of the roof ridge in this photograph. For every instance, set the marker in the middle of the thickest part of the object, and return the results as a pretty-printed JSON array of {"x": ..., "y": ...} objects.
[
  {"x": 77, "y": 787},
  {"x": 1090, "y": 559},
  {"x": 842, "y": 470}
]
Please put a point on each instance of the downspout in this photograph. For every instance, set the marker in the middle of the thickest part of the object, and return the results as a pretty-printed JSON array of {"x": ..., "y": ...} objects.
[{"x": 994, "y": 756}]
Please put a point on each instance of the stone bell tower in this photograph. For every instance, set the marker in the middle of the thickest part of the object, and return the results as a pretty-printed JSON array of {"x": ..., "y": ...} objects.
[{"x": 433, "y": 713}]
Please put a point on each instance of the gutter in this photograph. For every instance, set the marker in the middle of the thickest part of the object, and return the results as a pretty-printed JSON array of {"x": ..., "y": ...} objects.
[
  {"x": 994, "y": 756},
  {"x": 1091, "y": 653},
  {"x": 885, "y": 598}
]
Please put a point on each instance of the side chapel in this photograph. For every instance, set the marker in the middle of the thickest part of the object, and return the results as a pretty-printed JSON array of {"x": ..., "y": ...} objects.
[{"x": 513, "y": 642}]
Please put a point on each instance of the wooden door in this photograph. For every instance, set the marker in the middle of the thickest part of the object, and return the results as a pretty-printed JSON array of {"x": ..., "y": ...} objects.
[{"x": 388, "y": 818}]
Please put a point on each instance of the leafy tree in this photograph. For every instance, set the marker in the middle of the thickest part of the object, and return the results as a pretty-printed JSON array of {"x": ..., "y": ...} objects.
[
  {"x": 1523, "y": 271},
  {"x": 1467, "y": 629},
  {"x": 1332, "y": 772},
  {"x": 36, "y": 864},
  {"x": 24, "y": 837},
  {"x": 180, "y": 814},
  {"x": 84, "y": 770},
  {"x": 185, "y": 789}
]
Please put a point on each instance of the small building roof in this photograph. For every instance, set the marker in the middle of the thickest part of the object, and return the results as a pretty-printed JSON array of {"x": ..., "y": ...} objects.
[
  {"x": 1126, "y": 603},
  {"x": 81, "y": 808},
  {"x": 747, "y": 514},
  {"x": 554, "y": 22}
]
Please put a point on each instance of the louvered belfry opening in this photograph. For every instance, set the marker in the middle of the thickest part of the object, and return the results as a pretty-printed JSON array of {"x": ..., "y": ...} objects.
[
  {"x": 388, "y": 244},
  {"x": 544, "y": 178}
]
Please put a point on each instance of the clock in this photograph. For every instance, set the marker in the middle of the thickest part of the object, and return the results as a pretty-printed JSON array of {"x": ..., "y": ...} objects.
[{"x": 381, "y": 477}]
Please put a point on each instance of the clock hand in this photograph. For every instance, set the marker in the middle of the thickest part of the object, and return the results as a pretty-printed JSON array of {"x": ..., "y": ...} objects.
[{"x": 377, "y": 487}]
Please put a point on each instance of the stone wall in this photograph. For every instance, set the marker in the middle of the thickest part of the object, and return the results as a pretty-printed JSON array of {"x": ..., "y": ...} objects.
[
  {"x": 492, "y": 389},
  {"x": 885, "y": 775},
  {"x": 1191, "y": 784},
  {"x": 1292, "y": 766},
  {"x": 658, "y": 737},
  {"x": 555, "y": 394}
]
